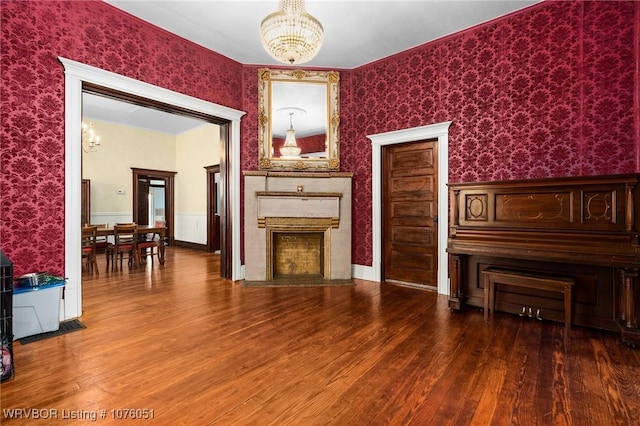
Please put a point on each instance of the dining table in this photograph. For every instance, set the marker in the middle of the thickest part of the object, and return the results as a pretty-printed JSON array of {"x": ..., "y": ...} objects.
[{"x": 142, "y": 230}]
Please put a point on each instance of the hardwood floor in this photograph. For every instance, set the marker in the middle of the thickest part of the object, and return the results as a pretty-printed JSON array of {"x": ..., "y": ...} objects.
[{"x": 193, "y": 349}]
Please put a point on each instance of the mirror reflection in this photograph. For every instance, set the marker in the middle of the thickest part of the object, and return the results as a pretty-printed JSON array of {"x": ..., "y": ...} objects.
[{"x": 298, "y": 119}]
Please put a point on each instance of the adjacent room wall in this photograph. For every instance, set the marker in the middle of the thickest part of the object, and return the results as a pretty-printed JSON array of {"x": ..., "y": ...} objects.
[
  {"x": 109, "y": 168},
  {"x": 124, "y": 147},
  {"x": 197, "y": 149}
]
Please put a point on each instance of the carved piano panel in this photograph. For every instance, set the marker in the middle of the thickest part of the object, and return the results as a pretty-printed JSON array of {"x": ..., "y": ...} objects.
[{"x": 585, "y": 228}]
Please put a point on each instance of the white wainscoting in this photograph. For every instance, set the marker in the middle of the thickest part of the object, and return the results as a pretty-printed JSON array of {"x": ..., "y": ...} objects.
[{"x": 191, "y": 227}]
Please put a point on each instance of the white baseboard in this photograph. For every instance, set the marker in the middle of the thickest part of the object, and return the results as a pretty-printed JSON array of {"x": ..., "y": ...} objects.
[{"x": 363, "y": 272}]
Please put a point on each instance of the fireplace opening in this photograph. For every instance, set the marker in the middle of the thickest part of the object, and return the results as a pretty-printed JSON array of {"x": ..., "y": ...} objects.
[{"x": 298, "y": 254}]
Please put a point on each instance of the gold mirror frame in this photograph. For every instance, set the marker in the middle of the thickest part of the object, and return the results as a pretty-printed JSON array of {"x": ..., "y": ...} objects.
[{"x": 266, "y": 159}]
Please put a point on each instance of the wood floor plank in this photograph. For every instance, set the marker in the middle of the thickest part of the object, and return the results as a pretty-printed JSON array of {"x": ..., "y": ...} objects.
[
  {"x": 492, "y": 368},
  {"x": 561, "y": 413},
  {"x": 196, "y": 349},
  {"x": 583, "y": 382}
]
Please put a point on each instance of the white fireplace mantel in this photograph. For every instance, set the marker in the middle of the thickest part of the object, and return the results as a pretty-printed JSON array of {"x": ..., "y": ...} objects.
[{"x": 297, "y": 201}]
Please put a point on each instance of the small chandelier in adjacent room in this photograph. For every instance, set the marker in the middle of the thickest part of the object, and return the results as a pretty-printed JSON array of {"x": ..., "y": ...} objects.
[
  {"x": 291, "y": 35},
  {"x": 290, "y": 148},
  {"x": 90, "y": 141}
]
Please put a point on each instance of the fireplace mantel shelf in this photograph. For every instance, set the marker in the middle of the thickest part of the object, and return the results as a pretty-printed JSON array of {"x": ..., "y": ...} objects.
[
  {"x": 301, "y": 194},
  {"x": 294, "y": 204}
]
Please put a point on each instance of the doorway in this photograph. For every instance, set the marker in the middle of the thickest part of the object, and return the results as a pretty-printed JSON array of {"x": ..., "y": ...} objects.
[
  {"x": 153, "y": 198},
  {"x": 410, "y": 214},
  {"x": 156, "y": 201},
  {"x": 439, "y": 131},
  {"x": 139, "y": 215},
  {"x": 79, "y": 76}
]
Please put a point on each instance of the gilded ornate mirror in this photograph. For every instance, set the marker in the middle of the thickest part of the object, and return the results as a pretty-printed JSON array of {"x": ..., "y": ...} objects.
[{"x": 298, "y": 120}]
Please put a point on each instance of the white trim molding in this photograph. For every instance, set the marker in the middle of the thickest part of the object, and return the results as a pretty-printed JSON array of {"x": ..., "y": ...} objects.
[
  {"x": 76, "y": 74},
  {"x": 378, "y": 141},
  {"x": 363, "y": 272}
]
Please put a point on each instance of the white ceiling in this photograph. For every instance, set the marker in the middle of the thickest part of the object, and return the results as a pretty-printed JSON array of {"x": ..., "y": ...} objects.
[
  {"x": 96, "y": 107},
  {"x": 356, "y": 32}
]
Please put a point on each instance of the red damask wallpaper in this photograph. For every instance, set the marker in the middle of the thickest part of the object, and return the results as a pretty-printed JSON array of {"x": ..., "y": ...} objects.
[
  {"x": 545, "y": 92},
  {"x": 33, "y": 35}
]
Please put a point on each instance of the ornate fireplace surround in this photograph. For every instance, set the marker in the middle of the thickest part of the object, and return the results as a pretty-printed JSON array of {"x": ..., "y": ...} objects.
[{"x": 297, "y": 203}]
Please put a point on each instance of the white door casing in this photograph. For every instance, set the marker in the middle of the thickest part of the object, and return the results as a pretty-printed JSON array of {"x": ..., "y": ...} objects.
[
  {"x": 378, "y": 141},
  {"x": 75, "y": 74}
]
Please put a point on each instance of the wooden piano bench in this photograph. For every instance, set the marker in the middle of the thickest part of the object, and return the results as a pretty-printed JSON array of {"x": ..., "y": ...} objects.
[{"x": 493, "y": 276}]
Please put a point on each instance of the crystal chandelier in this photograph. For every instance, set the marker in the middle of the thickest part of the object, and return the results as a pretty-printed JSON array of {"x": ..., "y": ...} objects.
[
  {"x": 90, "y": 141},
  {"x": 290, "y": 148},
  {"x": 291, "y": 35}
]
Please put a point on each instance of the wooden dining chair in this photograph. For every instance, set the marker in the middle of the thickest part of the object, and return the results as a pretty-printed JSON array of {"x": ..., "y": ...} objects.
[
  {"x": 101, "y": 240},
  {"x": 149, "y": 244},
  {"x": 124, "y": 241},
  {"x": 89, "y": 249}
]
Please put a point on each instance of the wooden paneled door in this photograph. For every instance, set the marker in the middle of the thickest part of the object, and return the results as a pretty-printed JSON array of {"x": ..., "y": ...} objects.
[
  {"x": 213, "y": 216},
  {"x": 142, "y": 206},
  {"x": 410, "y": 209},
  {"x": 85, "y": 213}
]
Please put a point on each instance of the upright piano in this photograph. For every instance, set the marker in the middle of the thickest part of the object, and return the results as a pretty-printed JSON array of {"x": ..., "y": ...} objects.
[{"x": 583, "y": 228}]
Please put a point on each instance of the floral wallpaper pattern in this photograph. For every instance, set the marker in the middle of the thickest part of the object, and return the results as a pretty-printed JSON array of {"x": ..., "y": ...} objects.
[
  {"x": 544, "y": 92},
  {"x": 33, "y": 35}
]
